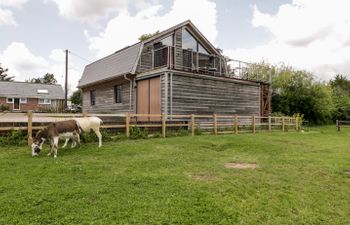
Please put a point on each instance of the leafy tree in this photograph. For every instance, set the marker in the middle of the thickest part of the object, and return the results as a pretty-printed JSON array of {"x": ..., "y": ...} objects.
[
  {"x": 147, "y": 36},
  {"x": 4, "y": 76},
  {"x": 48, "y": 78},
  {"x": 77, "y": 97},
  {"x": 341, "y": 97}
]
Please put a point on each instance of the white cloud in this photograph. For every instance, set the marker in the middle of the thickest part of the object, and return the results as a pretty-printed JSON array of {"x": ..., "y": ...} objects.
[
  {"x": 6, "y": 17},
  {"x": 307, "y": 34},
  {"x": 24, "y": 65},
  {"x": 92, "y": 10},
  {"x": 12, "y": 3},
  {"x": 124, "y": 29}
]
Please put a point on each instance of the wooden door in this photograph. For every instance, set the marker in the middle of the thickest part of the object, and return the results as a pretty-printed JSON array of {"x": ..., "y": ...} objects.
[
  {"x": 16, "y": 104},
  {"x": 148, "y": 98}
]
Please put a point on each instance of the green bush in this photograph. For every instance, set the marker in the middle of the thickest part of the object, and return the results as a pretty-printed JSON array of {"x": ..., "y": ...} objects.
[
  {"x": 14, "y": 138},
  {"x": 91, "y": 136},
  {"x": 4, "y": 108},
  {"x": 137, "y": 133}
]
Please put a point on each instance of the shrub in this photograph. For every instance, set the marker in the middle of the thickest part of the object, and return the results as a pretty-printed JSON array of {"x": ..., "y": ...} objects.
[
  {"x": 4, "y": 108},
  {"x": 91, "y": 136},
  {"x": 14, "y": 138},
  {"x": 137, "y": 132}
]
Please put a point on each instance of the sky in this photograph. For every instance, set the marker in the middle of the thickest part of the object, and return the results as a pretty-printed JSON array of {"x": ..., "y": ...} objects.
[{"x": 310, "y": 35}]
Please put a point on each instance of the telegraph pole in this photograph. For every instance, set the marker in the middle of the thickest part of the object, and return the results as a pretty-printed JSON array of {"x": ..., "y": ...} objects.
[{"x": 66, "y": 83}]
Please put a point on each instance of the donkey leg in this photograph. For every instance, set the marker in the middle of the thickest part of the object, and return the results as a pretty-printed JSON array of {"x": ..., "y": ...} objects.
[
  {"x": 78, "y": 139},
  {"x": 55, "y": 146},
  {"x": 99, "y": 135},
  {"x": 65, "y": 143}
]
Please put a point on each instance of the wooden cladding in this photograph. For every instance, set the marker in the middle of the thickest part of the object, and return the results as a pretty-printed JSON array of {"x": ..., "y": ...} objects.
[{"x": 148, "y": 98}]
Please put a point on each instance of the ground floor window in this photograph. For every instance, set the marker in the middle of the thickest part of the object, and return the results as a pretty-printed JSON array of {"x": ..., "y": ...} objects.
[
  {"x": 118, "y": 94},
  {"x": 93, "y": 97},
  {"x": 9, "y": 100},
  {"x": 23, "y": 100},
  {"x": 44, "y": 101}
]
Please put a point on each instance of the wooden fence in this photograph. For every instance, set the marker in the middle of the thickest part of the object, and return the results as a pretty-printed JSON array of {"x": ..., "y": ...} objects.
[
  {"x": 215, "y": 124},
  {"x": 342, "y": 124}
]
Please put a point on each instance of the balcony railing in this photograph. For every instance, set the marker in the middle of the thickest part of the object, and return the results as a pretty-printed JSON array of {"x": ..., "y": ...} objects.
[{"x": 187, "y": 60}]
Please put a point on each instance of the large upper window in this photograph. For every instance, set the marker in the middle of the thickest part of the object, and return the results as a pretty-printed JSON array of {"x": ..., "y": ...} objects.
[
  {"x": 189, "y": 42},
  {"x": 168, "y": 41}
]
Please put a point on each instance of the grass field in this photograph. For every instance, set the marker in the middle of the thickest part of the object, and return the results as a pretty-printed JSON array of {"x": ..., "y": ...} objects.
[{"x": 302, "y": 178}]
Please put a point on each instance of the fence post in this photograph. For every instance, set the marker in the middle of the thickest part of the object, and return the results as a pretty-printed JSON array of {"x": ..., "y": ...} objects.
[
  {"x": 85, "y": 114},
  {"x": 270, "y": 126},
  {"x": 337, "y": 124},
  {"x": 253, "y": 124},
  {"x": 296, "y": 123},
  {"x": 192, "y": 125},
  {"x": 282, "y": 123},
  {"x": 30, "y": 127},
  {"x": 236, "y": 124},
  {"x": 127, "y": 124},
  {"x": 163, "y": 125},
  {"x": 215, "y": 124}
]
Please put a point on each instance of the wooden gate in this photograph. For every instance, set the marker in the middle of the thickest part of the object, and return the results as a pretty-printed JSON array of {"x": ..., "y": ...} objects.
[{"x": 148, "y": 98}]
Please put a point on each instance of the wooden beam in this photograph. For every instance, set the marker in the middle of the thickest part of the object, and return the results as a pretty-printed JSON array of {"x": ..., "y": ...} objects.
[{"x": 30, "y": 127}]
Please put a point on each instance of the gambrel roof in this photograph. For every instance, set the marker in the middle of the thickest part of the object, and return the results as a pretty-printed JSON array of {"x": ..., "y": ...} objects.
[{"x": 125, "y": 60}]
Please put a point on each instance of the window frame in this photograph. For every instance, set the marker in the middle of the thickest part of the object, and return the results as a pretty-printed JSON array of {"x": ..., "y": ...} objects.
[
  {"x": 12, "y": 101},
  {"x": 45, "y": 101},
  {"x": 118, "y": 94},
  {"x": 24, "y": 100},
  {"x": 92, "y": 97}
]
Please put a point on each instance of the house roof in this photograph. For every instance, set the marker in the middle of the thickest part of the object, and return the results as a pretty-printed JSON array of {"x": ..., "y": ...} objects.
[
  {"x": 125, "y": 60},
  {"x": 116, "y": 64},
  {"x": 30, "y": 90}
]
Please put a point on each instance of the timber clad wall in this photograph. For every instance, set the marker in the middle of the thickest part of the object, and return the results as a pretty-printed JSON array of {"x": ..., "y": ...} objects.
[
  {"x": 105, "y": 102},
  {"x": 178, "y": 49},
  {"x": 207, "y": 96}
]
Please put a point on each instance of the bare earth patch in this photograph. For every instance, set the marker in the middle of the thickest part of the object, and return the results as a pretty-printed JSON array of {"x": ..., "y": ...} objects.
[{"x": 241, "y": 165}]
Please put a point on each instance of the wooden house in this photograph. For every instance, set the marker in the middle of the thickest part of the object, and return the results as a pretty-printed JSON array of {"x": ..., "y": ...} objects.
[{"x": 177, "y": 71}]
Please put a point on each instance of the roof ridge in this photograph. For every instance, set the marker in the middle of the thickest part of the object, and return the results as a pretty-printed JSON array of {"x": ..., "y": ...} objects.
[{"x": 25, "y": 82}]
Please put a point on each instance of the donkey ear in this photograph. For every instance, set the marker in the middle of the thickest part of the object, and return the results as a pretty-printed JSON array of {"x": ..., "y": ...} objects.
[{"x": 54, "y": 124}]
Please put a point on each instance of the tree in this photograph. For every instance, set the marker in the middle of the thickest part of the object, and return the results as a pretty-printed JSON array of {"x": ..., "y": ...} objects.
[
  {"x": 48, "y": 78},
  {"x": 77, "y": 97},
  {"x": 4, "y": 76},
  {"x": 147, "y": 36},
  {"x": 341, "y": 97}
]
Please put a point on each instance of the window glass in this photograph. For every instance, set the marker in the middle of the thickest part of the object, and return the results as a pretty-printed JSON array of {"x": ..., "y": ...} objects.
[
  {"x": 44, "y": 101},
  {"x": 201, "y": 49},
  {"x": 23, "y": 100},
  {"x": 9, "y": 100},
  {"x": 92, "y": 97},
  {"x": 168, "y": 41},
  {"x": 118, "y": 94},
  {"x": 188, "y": 41}
]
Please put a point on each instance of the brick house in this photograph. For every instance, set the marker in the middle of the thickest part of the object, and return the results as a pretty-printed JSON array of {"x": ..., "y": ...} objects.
[{"x": 24, "y": 96}]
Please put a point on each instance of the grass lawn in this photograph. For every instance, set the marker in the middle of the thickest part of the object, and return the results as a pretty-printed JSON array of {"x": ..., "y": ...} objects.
[{"x": 302, "y": 178}]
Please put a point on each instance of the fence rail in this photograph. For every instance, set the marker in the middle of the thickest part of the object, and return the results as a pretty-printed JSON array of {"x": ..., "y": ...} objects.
[{"x": 215, "y": 124}]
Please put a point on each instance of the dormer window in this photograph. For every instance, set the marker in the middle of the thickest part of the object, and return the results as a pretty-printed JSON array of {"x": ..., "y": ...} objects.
[{"x": 42, "y": 91}]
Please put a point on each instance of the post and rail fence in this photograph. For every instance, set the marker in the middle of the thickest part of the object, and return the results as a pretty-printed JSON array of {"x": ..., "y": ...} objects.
[{"x": 215, "y": 124}]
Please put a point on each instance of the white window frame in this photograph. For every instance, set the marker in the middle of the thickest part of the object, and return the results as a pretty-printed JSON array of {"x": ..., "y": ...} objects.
[
  {"x": 23, "y": 100},
  {"x": 45, "y": 101},
  {"x": 12, "y": 101}
]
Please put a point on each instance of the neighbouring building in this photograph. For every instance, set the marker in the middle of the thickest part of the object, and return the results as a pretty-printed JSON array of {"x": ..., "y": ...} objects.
[
  {"x": 177, "y": 71},
  {"x": 24, "y": 96}
]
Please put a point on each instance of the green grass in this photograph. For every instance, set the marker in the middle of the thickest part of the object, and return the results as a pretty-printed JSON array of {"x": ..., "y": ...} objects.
[{"x": 301, "y": 179}]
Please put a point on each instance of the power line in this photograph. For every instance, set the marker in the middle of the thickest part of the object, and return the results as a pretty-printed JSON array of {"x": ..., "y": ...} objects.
[{"x": 82, "y": 58}]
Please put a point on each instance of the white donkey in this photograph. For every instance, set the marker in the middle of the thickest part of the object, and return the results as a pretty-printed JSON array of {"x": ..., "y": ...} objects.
[{"x": 91, "y": 123}]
